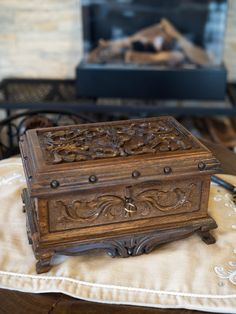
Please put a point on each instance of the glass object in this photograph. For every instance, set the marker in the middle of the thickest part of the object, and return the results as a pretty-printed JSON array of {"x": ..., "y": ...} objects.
[{"x": 173, "y": 33}]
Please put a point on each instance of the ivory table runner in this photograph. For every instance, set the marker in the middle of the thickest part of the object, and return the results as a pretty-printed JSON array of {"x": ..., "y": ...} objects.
[{"x": 183, "y": 274}]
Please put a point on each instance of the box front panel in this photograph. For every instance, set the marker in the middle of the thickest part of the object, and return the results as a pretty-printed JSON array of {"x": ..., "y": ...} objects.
[{"x": 112, "y": 206}]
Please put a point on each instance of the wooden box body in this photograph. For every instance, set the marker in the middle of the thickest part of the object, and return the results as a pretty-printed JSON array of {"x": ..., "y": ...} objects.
[{"x": 124, "y": 187}]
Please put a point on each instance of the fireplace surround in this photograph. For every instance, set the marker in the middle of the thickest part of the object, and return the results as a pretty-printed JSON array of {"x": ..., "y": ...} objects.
[{"x": 166, "y": 49}]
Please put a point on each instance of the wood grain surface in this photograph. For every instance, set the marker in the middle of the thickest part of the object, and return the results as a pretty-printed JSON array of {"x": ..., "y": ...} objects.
[
  {"x": 124, "y": 187},
  {"x": 40, "y": 39},
  {"x": 27, "y": 303}
]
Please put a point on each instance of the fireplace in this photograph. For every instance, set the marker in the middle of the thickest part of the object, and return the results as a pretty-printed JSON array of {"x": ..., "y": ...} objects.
[{"x": 166, "y": 49}]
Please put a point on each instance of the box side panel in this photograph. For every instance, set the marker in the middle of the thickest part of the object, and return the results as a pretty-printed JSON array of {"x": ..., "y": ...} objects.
[{"x": 124, "y": 209}]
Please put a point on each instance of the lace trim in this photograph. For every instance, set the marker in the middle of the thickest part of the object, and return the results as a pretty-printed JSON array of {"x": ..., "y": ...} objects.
[{"x": 228, "y": 272}]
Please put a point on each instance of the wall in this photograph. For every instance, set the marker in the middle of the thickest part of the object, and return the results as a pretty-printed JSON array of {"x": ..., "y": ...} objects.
[
  {"x": 43, "y": 38},
  {"x": 39, "y": 38},
  {"x": 230, "y": 41}
]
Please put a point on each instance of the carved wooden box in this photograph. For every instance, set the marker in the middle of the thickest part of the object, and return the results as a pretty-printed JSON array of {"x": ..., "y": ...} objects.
[{"x": 124, "y": 187}]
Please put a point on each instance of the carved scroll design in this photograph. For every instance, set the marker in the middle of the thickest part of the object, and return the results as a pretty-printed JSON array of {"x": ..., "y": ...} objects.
[
  {"x": 83, "y": 144},
  {"x": 144, "y": 244},
  {"x": 108, "y": 205},
  {"x": 113, "y": 207},
  {"x": 165, "y": 200},
  {"x": 141, "y": 244}
]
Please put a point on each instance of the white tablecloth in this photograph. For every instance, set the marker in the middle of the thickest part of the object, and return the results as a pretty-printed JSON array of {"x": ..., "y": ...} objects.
[{"x": 183, "y": 274}]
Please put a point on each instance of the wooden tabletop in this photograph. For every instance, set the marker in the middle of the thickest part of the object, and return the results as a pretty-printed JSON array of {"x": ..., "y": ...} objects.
[{"x": 14, "y": 302}]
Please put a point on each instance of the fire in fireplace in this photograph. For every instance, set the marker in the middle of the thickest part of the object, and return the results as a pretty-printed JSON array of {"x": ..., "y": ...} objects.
[{"x": 169, "y": 49}]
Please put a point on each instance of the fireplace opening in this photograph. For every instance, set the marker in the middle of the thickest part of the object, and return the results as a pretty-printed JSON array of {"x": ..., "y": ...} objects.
[{"x": 153, "y": 48}]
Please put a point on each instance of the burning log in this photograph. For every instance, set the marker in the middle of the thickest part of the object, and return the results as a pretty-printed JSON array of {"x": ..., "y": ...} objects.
[
  {"x": 156, "y": 43},
  {"x": 171, "y": 58},
  {"x": 107, "y": 51},
  {"x": 195, "y": 54},
  {"x": 154, "y": 36},
  {"x": 151, "y": 38}
]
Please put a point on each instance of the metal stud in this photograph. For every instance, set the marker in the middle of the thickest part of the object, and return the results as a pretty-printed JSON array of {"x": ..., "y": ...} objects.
[
  {"x": 93, "y": 179},
  {"x": 54, "y": 184},
  {"x": 201, "y": 166},
  {"x": 167, "y": 170},
  {"x": 136, "y": 174}
]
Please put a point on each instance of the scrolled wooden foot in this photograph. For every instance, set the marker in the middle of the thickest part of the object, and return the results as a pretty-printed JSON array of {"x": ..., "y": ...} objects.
[
  {"x": 44, "y": 264},
  {"x": 207, "y": 237}
]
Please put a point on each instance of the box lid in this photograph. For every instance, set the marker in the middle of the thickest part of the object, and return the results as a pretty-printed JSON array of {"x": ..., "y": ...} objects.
[{"x": 83, "y": 156}]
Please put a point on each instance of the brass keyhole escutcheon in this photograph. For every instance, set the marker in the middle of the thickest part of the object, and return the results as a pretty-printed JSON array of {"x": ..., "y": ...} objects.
[{"x": 130, "y": 207}]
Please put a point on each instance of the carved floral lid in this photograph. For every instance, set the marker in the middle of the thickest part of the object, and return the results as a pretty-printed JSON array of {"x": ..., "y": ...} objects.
[
  {"x": 99, "y": 141},
  {"x": 111, "y": 151}
]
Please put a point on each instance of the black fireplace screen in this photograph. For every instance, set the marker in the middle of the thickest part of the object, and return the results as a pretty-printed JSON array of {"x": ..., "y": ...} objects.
[{"x": 175, "y": 33}]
